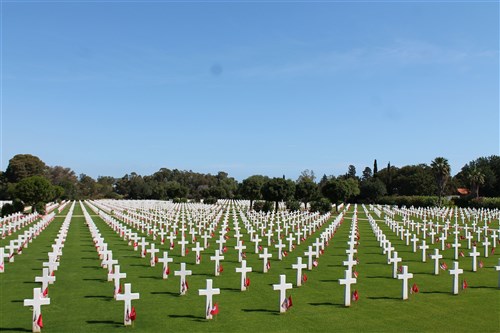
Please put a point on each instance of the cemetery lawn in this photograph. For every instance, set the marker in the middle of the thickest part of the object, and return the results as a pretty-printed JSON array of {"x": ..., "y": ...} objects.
[{"x": 81, "y": 299}]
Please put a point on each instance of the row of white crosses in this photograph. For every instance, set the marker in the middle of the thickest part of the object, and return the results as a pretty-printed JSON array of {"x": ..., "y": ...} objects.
[
  {"x": 22, "y": 241},
  {"x": 40, "y": 295},
  {"x": 15, "y": 223},
  {"x": 405, "y": 275},
  {"x": 348, "y": 279},
  {"x": 114, "y": 273}
]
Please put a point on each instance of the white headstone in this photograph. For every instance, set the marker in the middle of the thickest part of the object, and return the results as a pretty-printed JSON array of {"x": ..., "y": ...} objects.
[
  {"x": 209, "y": 292},
  {"x": 127, "y": 297}
]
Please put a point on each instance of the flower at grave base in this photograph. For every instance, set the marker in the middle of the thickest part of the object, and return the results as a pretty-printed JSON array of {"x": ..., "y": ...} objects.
[
  {"x": 443, "y": 266},
  {"x": 220, "y": 269},
  {"x": 448, "y": 245},
  {"x": 321, "y": 251},
  {"x": 414, "y": 289},
  {"x": 215, "y": 310},
  {"x": 224, "y": 249},
  {"x": 243, "y": 255},
  {"x": 198, "y": 258},
  {"x": 260, "y": 247},
  {"x": 285, "y": 253},
  {"x": 492, "y": 250},
  {"x": 355, "y": 295},
  {"x": 39, "y": 321},
  {"x": 247, "y": 282},
  {"x": 156, "y": 259},
  {"x": 187, "y": 251},
  {"x": 226, "y": 237},
  {"x": 400, "y": 269},
  {"x": 171, "y": 246},
  {"x": 167, "y": 271},
  {"x": 132, "y": 314},
  {"x": 464, "y": 284}
]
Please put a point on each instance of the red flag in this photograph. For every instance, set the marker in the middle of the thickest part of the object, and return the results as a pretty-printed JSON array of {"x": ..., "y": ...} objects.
[
  {"x": 260, "y": 247},
  {"x": 290, "y": 303},
  {"x": 481, "y": 264},
  {"x": 321, "y": 251},
  {"x": 46, "y": 292},
  {"x": 268, "y": 265},
  {"x": 315, "y": 263},
  {"x": 53, "y": 273},
  {"x": 414, "y": 288},
  {"x": 247, "y": 282},
  {"x": 443, "y": 266},
  {"x": 119, "y": 289},
  {"x": 243, "y": 255},
  {"x": 156, "y": 259},
  {"x": 285, "y": 253},
  {"x": 215, "y": 310},
  {"x": 355, "y": 295},
  {"x": 400, "y": 269},
  {"x": 171, "y": 246},
  {"x": 39, "y": 322},
  {"x": 224, "y": 249},
  {"x": 144, "y": 253},
  {"x": 199, "y": 258},
  {"x": 221, "y": 269},
  {"x": 464, "y": 284},
  {"x": 167, "y": 270},
  {"x": 187, "y": 250},
  {"x": 461, "y": 254},
  {"x": 133, "y": 314},
  {"x": 492, "y": 250},
  {"x": 304, "y": 278},
  {"x": 355, "y": 273}
]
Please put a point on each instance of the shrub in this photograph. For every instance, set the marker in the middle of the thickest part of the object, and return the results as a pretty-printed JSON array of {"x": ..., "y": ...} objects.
[
  {"x": 408, "y": 201},
  {"x": 268, "y": 206},
  {"x": 258, "y": 205},
  {"x": 39, "y": 207},
  {"x": 293, "y": 205},
  {"x": 18, "y": 205},
  {"x": 7, "y": 209},
  {"x": 322, "y": 205},
  {"x": 210, "y": 201}
]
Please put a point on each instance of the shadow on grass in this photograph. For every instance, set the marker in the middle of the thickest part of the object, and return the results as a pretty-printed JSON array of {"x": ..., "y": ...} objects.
[
  {"x": 481, "y": 287},
  {"x": 151, "y": 277},
  {"x": 111, "y": 322},
  {"x": 31, "y": 282},
  {"x": 14, "y": 329},
  {"x": 334, "y": 266},
  {"x": 379, "y": 277},
  {"x": 141, "y": 265},
  {"x": 338, "y": 305},
  {"x": 17, "y": 301},
  {"x": 93, "y": 267},
  {"x": 89, "y": 258},
  {"x": 435, "y": 292},
  {"x": 164, "y": 293},
  {"x": 187, "y": 316},
  {"x": 230, "y": 289},
  {"x": 382, "y": 297},
  {"x": 103, "y": 297},
  {"x": 271, "y": 312},
  {"x": 332, "y": 280},
  {"x": 98, "y": 280}
]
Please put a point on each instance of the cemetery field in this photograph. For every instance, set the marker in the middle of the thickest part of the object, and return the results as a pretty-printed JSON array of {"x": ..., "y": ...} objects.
[{"x": 81, "y": 298}]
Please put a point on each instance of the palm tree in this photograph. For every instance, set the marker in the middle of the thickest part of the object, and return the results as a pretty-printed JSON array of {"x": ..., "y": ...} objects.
[
  {"x": 476, "y": 179},
  {"x": 441, "y": 170}
]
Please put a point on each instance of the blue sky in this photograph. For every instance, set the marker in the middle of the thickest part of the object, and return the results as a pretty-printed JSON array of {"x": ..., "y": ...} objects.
[{"x": 249, "y": 88}]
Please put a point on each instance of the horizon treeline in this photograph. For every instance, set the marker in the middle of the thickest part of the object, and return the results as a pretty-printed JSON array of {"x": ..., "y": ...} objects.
[{"x": 28, "y": 180}]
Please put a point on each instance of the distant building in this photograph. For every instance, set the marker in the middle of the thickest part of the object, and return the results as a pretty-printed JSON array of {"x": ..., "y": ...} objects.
[{"x": 463, "y": 191}]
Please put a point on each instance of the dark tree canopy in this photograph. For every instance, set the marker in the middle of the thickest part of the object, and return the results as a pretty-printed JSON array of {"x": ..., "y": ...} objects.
[{"x": 24, "y": 166}]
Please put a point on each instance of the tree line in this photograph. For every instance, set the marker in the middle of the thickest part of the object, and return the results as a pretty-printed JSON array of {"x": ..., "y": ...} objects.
[{"x": 29, "y": 181}]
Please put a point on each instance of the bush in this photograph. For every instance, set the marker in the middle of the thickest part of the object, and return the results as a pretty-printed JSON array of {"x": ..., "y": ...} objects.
[
  {"x": 39, "y": 207},
  {"x": 408, "y": 201},
  {"x": 268, "y": 206},
  {"x": 293, "y": 205},
  {"x": 18, "y": 205},
  {"x": 180, "y": 200},
  {"x": 210, "y": 201},
  {"x": 7, "y": 209},
  {"x": 258, "y": 205},
  {"x": 322, "y": 205},
  {"x": 491, "y": 203}
]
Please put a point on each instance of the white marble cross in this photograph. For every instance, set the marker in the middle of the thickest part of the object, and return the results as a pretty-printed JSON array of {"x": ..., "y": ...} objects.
[
  {"x": 455, "y": 272},
  {"x": 217, "y": 258},
  {"x": 282, "y": 287},
  {"x": 115, "y": 277},
  {"x": 394, "y": 261},
  {"x": 37, "y": 301},
  {"x": 209, "y": 292},
  {"x": 486, "y": 244},
  {"x": 240, "y": 247},
  {"x": 474, "y": 254},
  {"x": 183, "y": 282},
  {"x": 456, "y": 245},
  {"x": 436, "y": 256},
  {"x": 424, "y": 248},
  {"x": 266, "y": 257},
  {"x": 243, "y": 270},
  {"x": 45, "y": 279},
  {"x": 280, "y": 246},
  {"x": 405, "y": 276},
  {"x": 183, "y": 242},
  {"x": 152, "y": 251},
  {"x": 414, "y": 240},
  {"x": 309, "y": 253},
  {"x": 197, "y": 249},
  {"x": 165, "y": 260},
  {"x": 347, "y": 281},
  {"x": 299, "y": 266},
  {"x": 143, "y": 245},
  {"x": 127, "y": 297},
  {"x": 3, "y": 255}
]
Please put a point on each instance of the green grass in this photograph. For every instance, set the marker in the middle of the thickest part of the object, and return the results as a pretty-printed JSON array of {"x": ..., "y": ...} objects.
[{"x": 81, "y": 298}]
